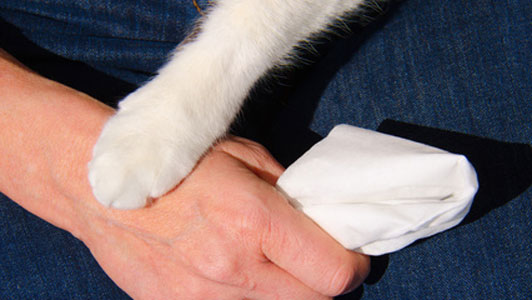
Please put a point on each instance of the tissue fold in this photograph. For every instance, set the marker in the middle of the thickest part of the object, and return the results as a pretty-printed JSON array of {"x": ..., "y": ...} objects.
[{"x": 375, "y": 193}]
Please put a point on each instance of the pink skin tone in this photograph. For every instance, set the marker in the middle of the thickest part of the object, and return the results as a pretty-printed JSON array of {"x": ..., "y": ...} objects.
[{"x": 223, "y": 233}]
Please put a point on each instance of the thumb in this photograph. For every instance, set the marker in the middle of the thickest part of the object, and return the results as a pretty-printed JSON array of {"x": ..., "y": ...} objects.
[
  {"x": 292, "y": 241},
  {"x": 298, "y": 245},
  {"x": 255, "y": 157}
]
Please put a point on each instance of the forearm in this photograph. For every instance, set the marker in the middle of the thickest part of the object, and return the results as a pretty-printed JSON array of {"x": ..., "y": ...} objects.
[
  {"x": 46, "y": 130},
  {"x": 225, "y": 231}
]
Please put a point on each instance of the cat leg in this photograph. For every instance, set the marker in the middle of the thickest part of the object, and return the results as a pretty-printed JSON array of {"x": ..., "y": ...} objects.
[{"x": 162, "y": 129}]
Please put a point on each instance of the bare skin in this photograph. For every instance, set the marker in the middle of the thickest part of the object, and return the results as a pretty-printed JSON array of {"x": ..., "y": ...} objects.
[{"x": 223, "y": 233}]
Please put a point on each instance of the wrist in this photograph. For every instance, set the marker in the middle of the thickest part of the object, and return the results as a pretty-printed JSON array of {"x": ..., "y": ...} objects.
[{"x": 46, "y": 135}]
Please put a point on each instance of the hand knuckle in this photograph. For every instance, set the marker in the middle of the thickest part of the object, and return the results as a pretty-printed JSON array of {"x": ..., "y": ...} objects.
[{"x": 222, "y": 270}]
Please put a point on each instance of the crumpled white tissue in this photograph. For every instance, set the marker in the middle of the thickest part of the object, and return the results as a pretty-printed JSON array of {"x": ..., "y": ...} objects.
[{"x": 375, "y": 193}]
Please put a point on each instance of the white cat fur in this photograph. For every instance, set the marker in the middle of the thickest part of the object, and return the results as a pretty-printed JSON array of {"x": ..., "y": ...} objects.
[{"x": 162, "y": 129}]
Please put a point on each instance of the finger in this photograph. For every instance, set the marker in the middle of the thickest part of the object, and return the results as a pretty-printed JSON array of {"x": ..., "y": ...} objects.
[
  {"x": 275, "y": 283},
  {"x": 254, "y": 156},
  {"x": 296, "y": 244}
]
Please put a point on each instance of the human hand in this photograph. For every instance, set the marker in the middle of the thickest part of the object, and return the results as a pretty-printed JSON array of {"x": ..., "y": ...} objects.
[{"x": 224, "y": 233}]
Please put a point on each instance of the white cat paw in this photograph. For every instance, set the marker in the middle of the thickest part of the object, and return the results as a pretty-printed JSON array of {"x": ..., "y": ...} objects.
[{"x": 138, "y": 157}]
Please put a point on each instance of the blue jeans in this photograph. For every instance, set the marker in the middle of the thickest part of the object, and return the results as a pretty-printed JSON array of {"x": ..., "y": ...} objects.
[{"x": 458, "y": 66}]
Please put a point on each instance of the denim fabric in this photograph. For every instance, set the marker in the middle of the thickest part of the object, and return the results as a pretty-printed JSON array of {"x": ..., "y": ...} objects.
[
  {"x": 40, "y": 261},
  {"x": 453, "y": 65},
  {"x": 128, "y": 39},
  {"x": 459, "y": 65}
]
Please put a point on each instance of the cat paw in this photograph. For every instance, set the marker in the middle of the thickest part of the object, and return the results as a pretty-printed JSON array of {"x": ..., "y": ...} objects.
[{"x": 137, "y": 158}]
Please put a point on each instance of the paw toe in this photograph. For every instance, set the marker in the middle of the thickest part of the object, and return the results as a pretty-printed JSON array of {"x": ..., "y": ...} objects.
[{"x": 115, "y": 186}]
